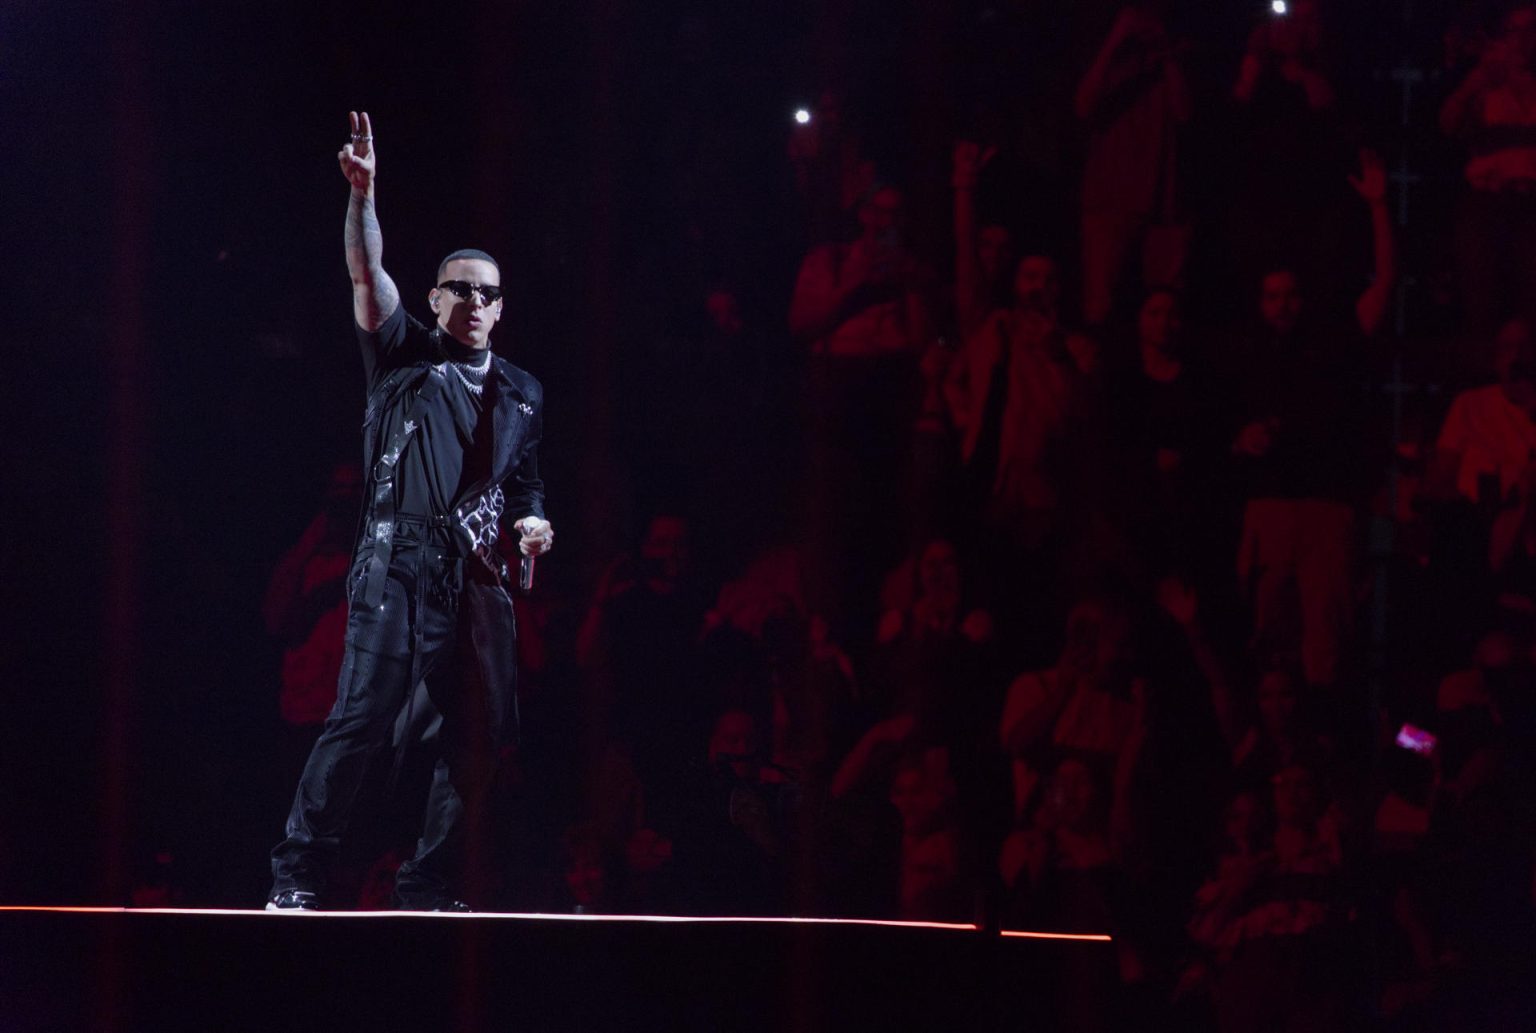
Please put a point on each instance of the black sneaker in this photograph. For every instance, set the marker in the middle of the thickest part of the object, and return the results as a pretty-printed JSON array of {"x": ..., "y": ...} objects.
[{"x": 294, "y": 900}]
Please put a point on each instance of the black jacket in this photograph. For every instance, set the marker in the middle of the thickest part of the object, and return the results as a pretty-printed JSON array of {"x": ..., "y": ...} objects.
[{"x": 411, "y": 359}]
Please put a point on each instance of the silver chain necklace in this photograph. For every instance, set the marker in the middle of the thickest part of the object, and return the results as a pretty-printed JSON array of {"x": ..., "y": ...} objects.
[{"x": 473, "y": 377}]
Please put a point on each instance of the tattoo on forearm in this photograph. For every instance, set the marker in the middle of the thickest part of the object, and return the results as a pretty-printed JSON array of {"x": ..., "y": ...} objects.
[
  {"x": 364, "y": 239},
  {"x": 365, "y": 252}
]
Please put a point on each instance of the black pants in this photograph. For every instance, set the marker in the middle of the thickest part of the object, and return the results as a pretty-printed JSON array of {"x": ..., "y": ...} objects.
[{"x": 419, "y": 634}]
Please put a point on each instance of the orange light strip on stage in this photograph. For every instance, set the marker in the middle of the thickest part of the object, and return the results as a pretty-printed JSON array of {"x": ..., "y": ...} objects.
[
  {"x": 674, "y": 919},
  {"x": 964, "y": 927},
  {"x": 1093, "y": 937}
]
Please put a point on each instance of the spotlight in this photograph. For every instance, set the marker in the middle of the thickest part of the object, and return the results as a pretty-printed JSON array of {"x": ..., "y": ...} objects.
[
  {"x": 803, "y": 115},
  {"x": 1277, "y": 6}
]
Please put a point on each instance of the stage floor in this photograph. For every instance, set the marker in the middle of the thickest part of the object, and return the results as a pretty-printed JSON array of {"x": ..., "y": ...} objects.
[{"x": 65, "y": 970}]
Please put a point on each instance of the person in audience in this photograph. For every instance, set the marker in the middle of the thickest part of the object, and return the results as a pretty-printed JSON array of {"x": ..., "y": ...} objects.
[
  {"x": 863, "y": 310},
  {"x": 1135, "y": 100},
  {"x": 983, "y": 251},
  {"x": 1063, "y": 874},
  {"x": 1492, "y": 111},
  {"x": 306, "y": 608},
  {"x": 1282, "y": 920},
  {"x": 1487, "y": 440},
  {"x": 1025, "y": 406},
  {"x": 1299, "y": 447},
  {"x": 1090, "y": 705},
  {"x": 639, "y": 644},
  {"x": 1163, "y": 401},
  {"x": 1285, "y": 151},
  {"x": 936, "y": 882}
]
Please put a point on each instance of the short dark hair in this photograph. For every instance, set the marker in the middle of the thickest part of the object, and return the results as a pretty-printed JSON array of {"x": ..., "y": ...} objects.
[{"x": 462, "y": 254}]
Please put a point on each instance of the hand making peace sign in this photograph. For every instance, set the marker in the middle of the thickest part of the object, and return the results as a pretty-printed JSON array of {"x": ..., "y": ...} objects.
[{"x": 358, "y": 159}]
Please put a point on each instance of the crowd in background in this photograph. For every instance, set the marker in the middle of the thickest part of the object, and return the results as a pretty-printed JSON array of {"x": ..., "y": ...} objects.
[{"x": 1059, "y": 558}]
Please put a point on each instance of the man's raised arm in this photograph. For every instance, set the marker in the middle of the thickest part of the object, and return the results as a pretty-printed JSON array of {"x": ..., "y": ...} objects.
[{"x": 374, "y": 295}]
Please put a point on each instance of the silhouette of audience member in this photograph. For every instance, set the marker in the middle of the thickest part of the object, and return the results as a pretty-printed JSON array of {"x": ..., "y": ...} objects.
[
  {"x": 724, "y": 417},
  {"x": 864, "y": 299},
  {"x": 1213, "y": 926},
  {"x": 639, "y": 644},
  {"x": 983, "y": 251},
  {"x": 1484, "y": 449},
  {"x": 831, "y": 172},
  {"x": 1279, "y": 734},
  {"x": 1494, "y": 234},
  {"x": 1286, "y": 151},
  {"x": 1163, "y": 402},
  {"x": 936, "y": 881},
  {"x": 586, "y": 872},
  {"x": 733, "y": 828},
  {"x": 933, "y": 641},
  {"x": 1090, "y": 706},
  {"x": 1062, "y": 873},
  {"x": 1018, "y": 394},
  {"x": 306, "y": 609},
  {"x": 768, "y": 655},
  {"x": 1288, "y": 53},
  {"x": 1300, "y": 448},
  {"x": 1068, "y": 833},
  {"x": 1134, "y": 99},
  {"x": 936, "y": 660},
  {"x": 863, "y": 309},
  {"x": 1283, "y": 919}
]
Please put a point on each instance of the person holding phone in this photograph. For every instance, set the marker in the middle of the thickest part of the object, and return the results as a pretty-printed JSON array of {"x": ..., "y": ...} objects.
[{"x": 450, "y": 441}]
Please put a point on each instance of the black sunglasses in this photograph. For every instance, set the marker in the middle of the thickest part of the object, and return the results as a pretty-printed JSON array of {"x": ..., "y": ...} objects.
[{"x": 462, "y": 290}]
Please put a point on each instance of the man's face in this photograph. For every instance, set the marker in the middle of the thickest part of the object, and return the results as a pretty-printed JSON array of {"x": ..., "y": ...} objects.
[
  {"x": 1072, "y": 794},
  {"x": 1036, "y": 284},
  {"x": 1515, "y": 361},
  {"x": 1280, "y": 301},
  {"x": 734, "y": 741},
  {"x": 994, "y": 252},
  {"x": 467, "y": 320},
  {"x": 1295, "y": 796},
  {"x": 1243, "y": 817},
  {"x": 880, "y": 216},
  {"x": 1160, "y": 321},
  {"x": 584, "y": 876},
  {"x": 664, "y": 550},
  {"x": 939, "y": 571},
  {"x": 920, "y": 796}
]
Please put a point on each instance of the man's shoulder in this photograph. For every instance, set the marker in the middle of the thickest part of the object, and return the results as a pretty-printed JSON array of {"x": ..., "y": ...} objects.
[
  {"x": 991, "y": 329},
  {"x": 400, "y": 340},
  {"x": 398, "y": 323},
  {"x": 825, "y": 258},
  {"x": 1486, "y": 402},
  {"x": 1481, "y": 396}
]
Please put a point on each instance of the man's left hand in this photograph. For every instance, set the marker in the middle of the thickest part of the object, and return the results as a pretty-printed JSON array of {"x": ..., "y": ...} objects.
[{"x": 537, "y": 536}]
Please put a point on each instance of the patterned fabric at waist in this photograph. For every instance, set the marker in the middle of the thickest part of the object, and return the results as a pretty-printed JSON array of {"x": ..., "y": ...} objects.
[{"x": 423, "y": 529}]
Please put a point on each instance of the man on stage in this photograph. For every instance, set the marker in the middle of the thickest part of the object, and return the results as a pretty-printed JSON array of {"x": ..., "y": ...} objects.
[{"x": 448, "y": 427}]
